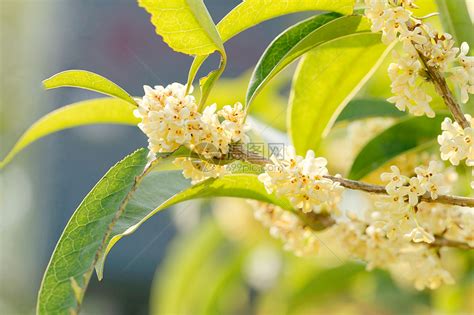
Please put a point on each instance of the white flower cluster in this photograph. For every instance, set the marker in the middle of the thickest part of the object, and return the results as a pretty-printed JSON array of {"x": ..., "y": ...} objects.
[
  {"x": 414, "y": 263},
  {"x": 395, "y": 238},
  {"x": 170, "y": 118},
  {"x": 405, "y": 190},
  {"x": 302, "y": 181},
  {"x": 463, "y": 75},
  {"x": 453, "y": 222},
  {"x": 395, "y": 20},
  {"x": 286, "y": 226},
  {"x": 456, "y": 143}
]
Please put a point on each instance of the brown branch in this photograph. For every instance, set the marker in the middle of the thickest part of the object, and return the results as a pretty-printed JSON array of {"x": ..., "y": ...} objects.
[
  {"x": 254, "y": 158},
  {"x": 441, "y": 87},
  {"x": 444, "y": 242},
  {"x": 377, "y": 189}
]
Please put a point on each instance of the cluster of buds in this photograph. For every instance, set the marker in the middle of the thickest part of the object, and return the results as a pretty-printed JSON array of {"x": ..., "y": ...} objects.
[
  {"x": 396, "y": 22},
  {"x": 302, "y": 181},
  {"x": 287, "y": 227},
  {"x": 170, "y": 118}
]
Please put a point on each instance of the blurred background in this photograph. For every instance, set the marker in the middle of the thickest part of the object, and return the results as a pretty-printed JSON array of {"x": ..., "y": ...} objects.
[{"x": 195, "y": 259}]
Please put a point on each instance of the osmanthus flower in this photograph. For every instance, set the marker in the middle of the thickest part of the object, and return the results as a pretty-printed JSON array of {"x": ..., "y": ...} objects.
[
  {"x": 463, "y": 75},
  {"x": 164, "y": 112},
  {"x": 419, "y": 235},
  {"x": 395, "y": 180},
  {"x": 296, "y": 236},
  {"x": 234, "y": 122},
  {"x": 170, "y": 118},
  {"x": 409, "y": 94},
  {"x": 396, "y": 22},
  {"x": 302, "y": 181},
  {"x": 198, "y": 170},
  {"x": 408, "y": 190},
  {"x": 456, "y": 143},
  {"x": 432, "y": 180}
]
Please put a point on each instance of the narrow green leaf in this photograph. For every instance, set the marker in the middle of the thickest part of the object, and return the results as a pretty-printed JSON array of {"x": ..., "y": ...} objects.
[
  {"x": 73, "y": 260},
  {"x": 95, "y": 111},
  {"x": 206, "y": 83},
  {"x": 402, "y": 137},
  {"x": 455, "y": 18},
  {"x": 299, "y": 39},
  {"x": 367, "y": 108},
  {"x": 160, "y": 190},
  {"x": 326, "y": 80},
  {"x": 89, "y": 81},
  {"x": 185, "y": 25}
]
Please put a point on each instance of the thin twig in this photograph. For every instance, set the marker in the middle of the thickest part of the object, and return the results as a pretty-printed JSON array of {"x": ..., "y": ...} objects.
[
  {"x": 377, "y": 189},
  {"x": 370, "y": 188}
]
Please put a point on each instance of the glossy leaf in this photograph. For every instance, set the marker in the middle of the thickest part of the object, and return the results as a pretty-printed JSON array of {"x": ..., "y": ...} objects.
[
  {"x": 73, "y": 260},
  {"x": 299, "y": 39},
  {"x": 327, "y": 78},
  {"x": 160, "y": 190},
  {"x": 95, "y": 111},
  {"x": 402, "y": 137},
  {"x": 89, "y": 81},
  {"x": 252, "y": 12},
  {"x": 185, "y": 25},
  {"x": 367, "y": 108}
]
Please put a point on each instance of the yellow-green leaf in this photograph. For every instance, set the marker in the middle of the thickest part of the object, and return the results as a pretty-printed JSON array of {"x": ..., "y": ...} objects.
[
  {"x": 89, "y": 81},
  {"x": 185, "y": 25},
  {"x": 252, "y": 12},
  {"x": 326, "y": 80},
  {"x": 95, "y": 111}
]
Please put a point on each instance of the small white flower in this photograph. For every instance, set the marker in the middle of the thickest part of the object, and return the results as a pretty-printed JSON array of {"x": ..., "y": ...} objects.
[
  {"x": 419, "y": 235},
  {"x": 395, "y": 180},
  {"x": 302, "y": 181},
  {"x": 284, "y": 225},
  {"x": 432, "y": 180},
  {"x": 456, "y": 143},
  {"x": 198, "y": 170}
]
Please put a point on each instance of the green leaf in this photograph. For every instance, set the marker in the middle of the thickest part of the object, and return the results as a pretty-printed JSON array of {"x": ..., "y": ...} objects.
[
  {"x": 326, "y": 80},
  {"x": 89, "y": 81},
  {"x": 160, "y": 190},
  {"x": 73, "y": 260},
  {"x": 299, "y": 39},
  {"x": 402, "y": 137},
  {"x": 185, "y": 25},
  {"x": 95, "y": 111},
  {"x": 208, "y": 82},
  {"x": 252, "y": 12},
  {"x": 367, "y": 108},
  {"x": 455, "y": 18}
]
